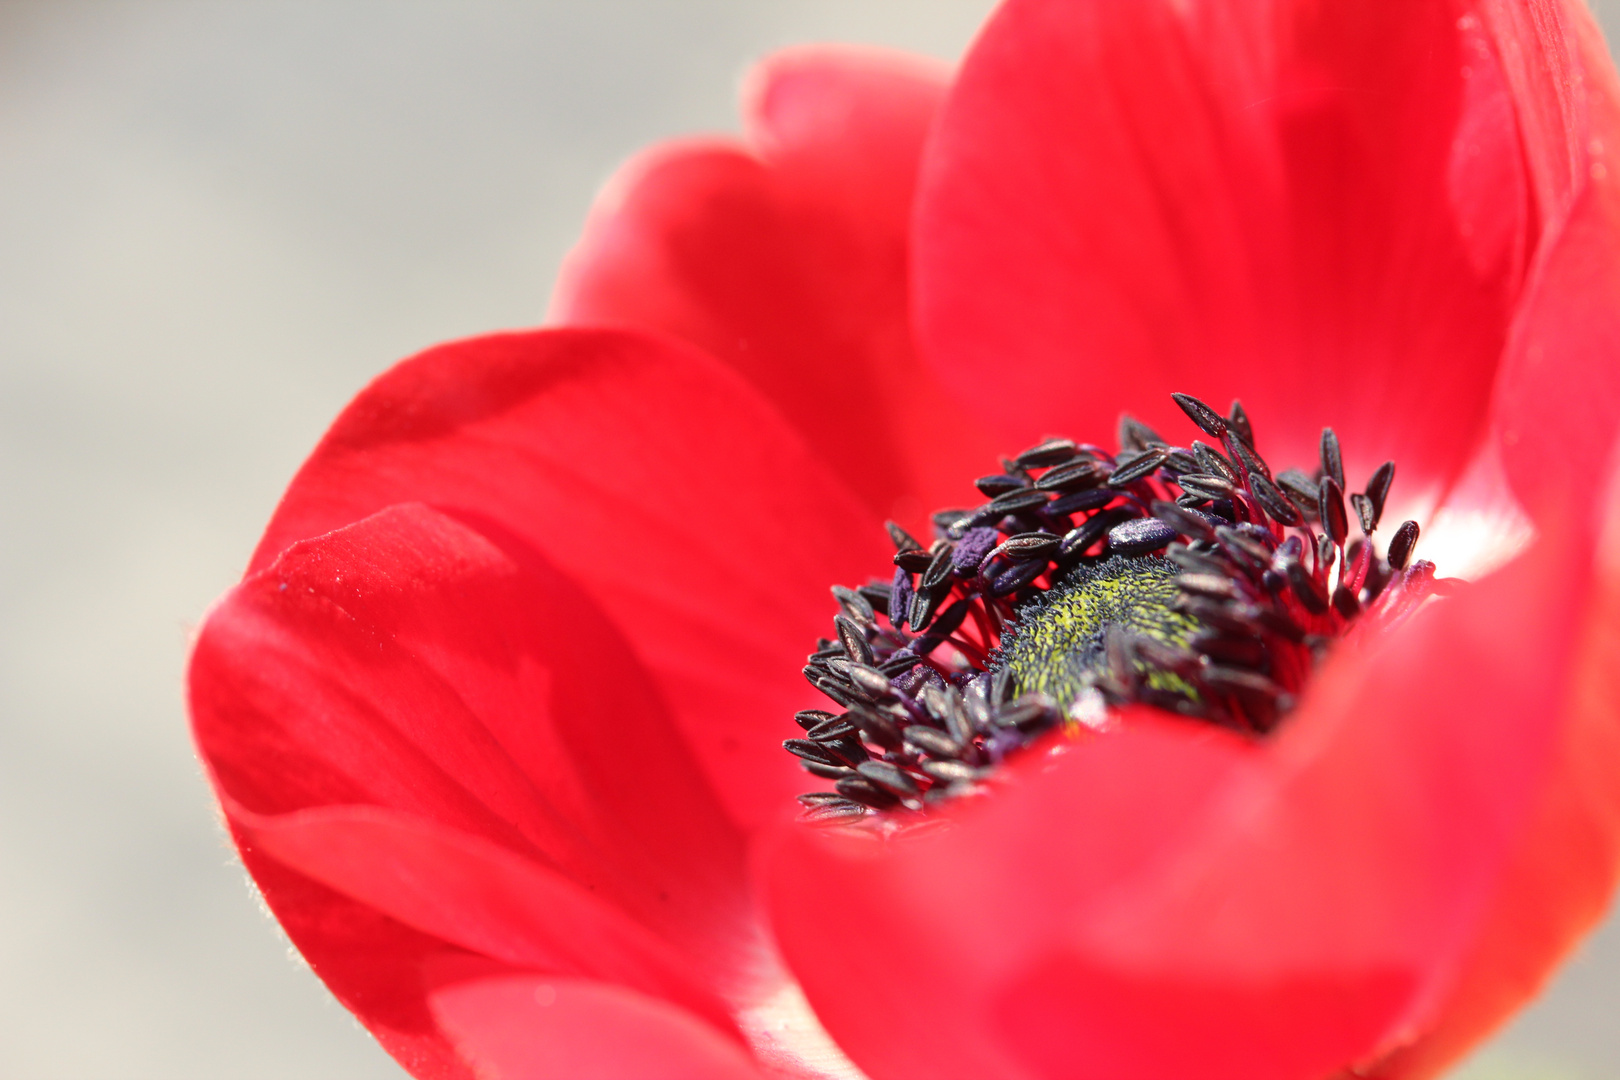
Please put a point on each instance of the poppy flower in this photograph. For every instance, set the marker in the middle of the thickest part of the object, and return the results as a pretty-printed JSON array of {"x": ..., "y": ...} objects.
[{"x": 496, "y": 715}]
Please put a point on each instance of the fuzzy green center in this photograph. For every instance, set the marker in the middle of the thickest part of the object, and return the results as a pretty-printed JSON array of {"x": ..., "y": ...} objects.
[{"x": 1057, "y": 647}]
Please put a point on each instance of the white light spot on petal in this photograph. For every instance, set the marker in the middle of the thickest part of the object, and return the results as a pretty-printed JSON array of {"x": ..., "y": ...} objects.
[
  {"x": 1480, "y": 528},
  {"x": 783, "y": 1029}
]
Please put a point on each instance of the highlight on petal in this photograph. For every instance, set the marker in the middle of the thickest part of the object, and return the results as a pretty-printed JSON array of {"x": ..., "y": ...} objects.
[
  {"x": 423, "y": 736},
  {"x": 785, "y": 256},
  {"x": 1558, "y": 394},
  {"x": 411, "y": 663},
  {"x": 1285, "y": 910},
  {"x": 537, "y": 1027},
  {"x": 655, "y": 480},
  {"x": 1566, "y": 864},
  {"x": 1321, "y": 209}
]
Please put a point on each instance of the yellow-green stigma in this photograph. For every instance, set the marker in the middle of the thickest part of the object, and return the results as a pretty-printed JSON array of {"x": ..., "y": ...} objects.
[{"x": 1058, "y": 646}]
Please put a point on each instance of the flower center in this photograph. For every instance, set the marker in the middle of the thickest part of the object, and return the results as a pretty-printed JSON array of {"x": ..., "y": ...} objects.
[
  {"x": 1059, "y": 643},
  {"x": 1192, "y": 580}
]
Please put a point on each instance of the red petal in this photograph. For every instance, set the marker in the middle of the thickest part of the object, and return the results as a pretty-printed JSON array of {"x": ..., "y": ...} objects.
[
  {"x": 371, "y": 963},
  {"x": 927, "y": 929},
  {"x": 653, "y": 478},
  {"x": 785, "y": 256},
  {"x": 1558, "y": 396},
  {"x": 1332, "y": 905},
  {"x": 1567, "y": 862},
  {"x": 454, "y": 751},
  {"x": 468, "y": 892},
  {"x": 1302, "y": 205},
  {"x": 408, "y": 662},
  {"x": 1292, "y": 908},
  {"x": 527, "y": 1027}
]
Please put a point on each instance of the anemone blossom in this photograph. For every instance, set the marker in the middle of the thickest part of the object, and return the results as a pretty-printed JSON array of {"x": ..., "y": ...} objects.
[{"x": 1153, "y": 760}]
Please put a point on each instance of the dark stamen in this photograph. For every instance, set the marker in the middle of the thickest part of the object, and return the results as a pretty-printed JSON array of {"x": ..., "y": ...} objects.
[
  {"x": 915, "y": 560},
  {"x": 1332, "y": 459},
  {"x": 1378, "y": 489},
  {"x": 1185, "y": 521},
  {"x": 1307, "y": 588},
  {"x": 1237, "y": 420},
  {"x": 888, "y": 776},
  {"x": 1208, "y": 420},
  {"x": 1208, "y": 486},
  {"x": 1273, "y": 502},
  {"x": 1188, "y": 580},
  {"x": 1074, "y": 476},
  {"x": 1050, "y": 452},
  {"x": 1214, "y": 462},
  {"x": 999, "y": 484},
  {"x": 1252, "y": 462},
  {"x": 1134, "y": 467},
  {"x": 1140, "y": 536},
  {"x": 1366, "y": 516},
  {"x": 1400, "y": 548},
  {"x": 1135, "y": 435},
  {"x": 1330, "y": 506},
  {"x": 1301, "y": 491},
  {"x": 903, "y": 541}
]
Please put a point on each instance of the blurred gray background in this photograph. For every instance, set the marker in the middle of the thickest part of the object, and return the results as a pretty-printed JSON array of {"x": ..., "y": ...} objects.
[{"x": 217, "y": 221}]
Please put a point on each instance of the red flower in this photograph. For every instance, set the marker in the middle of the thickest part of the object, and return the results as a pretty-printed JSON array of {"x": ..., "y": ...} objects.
[{"x": 495, "y": 714}]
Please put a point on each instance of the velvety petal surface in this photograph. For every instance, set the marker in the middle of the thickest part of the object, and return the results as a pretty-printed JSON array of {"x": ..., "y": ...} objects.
[
  {"x": 1558, "y": 394},
  {"x": 372, "y": 964},
  {"x": 1288, "y": 910},
  {"x": 651, "y": 476},
  {"x": 528, "y": 1027},
  {"x": 785, "y": 255},
  {"x": 1321, "y": 209},
  {"x": 431, "y": 743},
  {"x": 1566, "y": 865},
  {"x": 487, "y": 900}
]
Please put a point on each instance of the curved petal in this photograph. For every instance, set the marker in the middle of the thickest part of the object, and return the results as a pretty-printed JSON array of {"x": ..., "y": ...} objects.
[
  {"x": 533, "y": 1027},
  {"x": 654, "y": 479},
  {"x": 395, "y": 978},
  {"x": 1321, "y": 209},
  {"x": 1566, "y": 865},
  {"x": 409, "y": 663},
  {"x": 429, "y": 744},
  {"x": 927, "y": 929},
  {"x": 376, "y": 967},
  {"x": 1558, "y": 395},
  {"x": 479, "y": 896},
  {"x": 1294, "y": 908},
  {"x": 785, "y": 256}
]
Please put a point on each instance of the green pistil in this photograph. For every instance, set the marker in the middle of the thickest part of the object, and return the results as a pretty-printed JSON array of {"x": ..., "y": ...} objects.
[{"x": 1056, "y": 646}]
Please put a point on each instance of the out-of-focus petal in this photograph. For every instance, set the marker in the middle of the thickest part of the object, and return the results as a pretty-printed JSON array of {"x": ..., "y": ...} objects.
[
  {"x": 373, "y": 965},
  {"x": 1320, "y": 209},
  {"x": 785, "y": 256},
  {"x": 535, "y": 1027},
  {"x": 652, "y": 477},
  {"x": 1566, "y": 862},
  {"x": 1294, "y": 908},
  {"x": 1006, "y": 882},
  {"x": 479, "y": 896},
  {"x": 1558, "y": 394}
]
